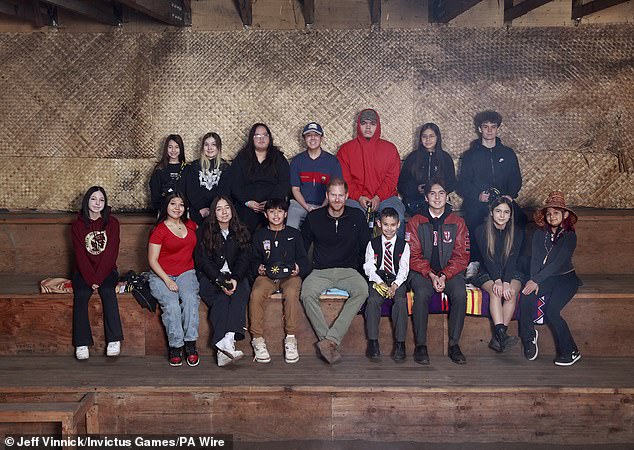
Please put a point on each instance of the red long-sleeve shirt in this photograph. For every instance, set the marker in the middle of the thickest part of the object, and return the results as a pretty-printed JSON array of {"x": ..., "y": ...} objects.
[{"x": 96, "y": 248}]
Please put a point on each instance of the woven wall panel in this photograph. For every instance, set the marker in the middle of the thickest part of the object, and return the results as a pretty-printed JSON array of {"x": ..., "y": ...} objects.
[{"x": 79, "y": 109}]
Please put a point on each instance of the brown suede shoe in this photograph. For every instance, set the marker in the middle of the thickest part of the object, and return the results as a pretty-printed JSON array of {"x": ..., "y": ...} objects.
[{"x": 328, "y": 350}]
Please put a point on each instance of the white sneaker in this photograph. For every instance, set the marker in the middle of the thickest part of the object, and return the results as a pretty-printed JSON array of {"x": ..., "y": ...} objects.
[
  {"x": 228, "y": 347},
  {"x": 261, "y": 353},
  {"x": 291, "y": 355},
  {"x": 223, "y": 359},
  {"x": 472, "y": 269},
  {"x": 82, "y": 352},
  {"x": 114, "y": 348}
]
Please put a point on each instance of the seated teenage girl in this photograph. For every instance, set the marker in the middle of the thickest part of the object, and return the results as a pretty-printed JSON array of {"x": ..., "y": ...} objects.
[
  {"x": 222, "y": 260},
  {"x": 552, "y": 274},
  {"x": 173, "y": 279},
  {"x": 500, "y": 242},
  {"x": 95, "y": 236}
]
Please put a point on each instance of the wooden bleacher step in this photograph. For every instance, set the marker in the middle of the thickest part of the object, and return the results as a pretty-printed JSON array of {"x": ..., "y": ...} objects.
[{"x": 71, "y": 415}]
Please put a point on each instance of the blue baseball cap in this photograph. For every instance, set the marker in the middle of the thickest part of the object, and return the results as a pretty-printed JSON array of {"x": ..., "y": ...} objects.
[{"x": 313, "y": 127}]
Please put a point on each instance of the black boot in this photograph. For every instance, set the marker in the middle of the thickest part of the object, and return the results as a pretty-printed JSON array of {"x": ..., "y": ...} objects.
[
  {"x": 399, "y": 352},
  {"x": 506, "y": 341},
  {"x": 420, "y": 355},
  {"x": 374, "y": 353}
]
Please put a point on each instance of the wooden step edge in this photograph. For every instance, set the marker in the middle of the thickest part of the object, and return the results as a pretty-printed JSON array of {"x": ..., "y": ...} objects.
[{"x": 324, "y": 389}]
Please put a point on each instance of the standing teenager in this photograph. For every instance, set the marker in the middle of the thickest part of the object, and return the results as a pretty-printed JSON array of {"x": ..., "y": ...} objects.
[
  {"x": 170, "y": 172},
  {"x": 428, "y": 161},
  {"x": 205, "y": 180},
  {"x": 259, "y": 172}
]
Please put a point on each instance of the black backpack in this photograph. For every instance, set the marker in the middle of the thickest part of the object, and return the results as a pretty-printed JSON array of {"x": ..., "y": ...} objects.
[{"x": 139, "y": 285}]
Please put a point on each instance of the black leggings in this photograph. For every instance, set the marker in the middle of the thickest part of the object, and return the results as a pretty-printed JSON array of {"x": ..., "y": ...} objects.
[
  {"x": 82, "y": 334},
  {"x": 561, "y": 289}
]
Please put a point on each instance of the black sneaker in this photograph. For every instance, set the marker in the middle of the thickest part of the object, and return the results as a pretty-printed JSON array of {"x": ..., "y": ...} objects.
[
  {"x": 373, "y": 352},
  {"x": 191, "y": 355},
  {"x": 420, "y": 355},
  {"x": 568, "y": 360},
  {"x": 456, "y": 355},
  {"x": 176, "y": 356},
  {"x": 530, "y": 348},
  {"x": 399, "y": 352}
]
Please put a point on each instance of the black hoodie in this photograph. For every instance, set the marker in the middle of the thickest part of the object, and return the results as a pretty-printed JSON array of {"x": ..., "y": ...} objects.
[{"x": 483, "y": 168}]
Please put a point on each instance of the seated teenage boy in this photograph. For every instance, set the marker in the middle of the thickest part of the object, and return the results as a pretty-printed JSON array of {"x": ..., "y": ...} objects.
[
  {"x": 387, "y": 265},
  {"x": 279, "y": 260},
  {"x": 439, "y": 255}
]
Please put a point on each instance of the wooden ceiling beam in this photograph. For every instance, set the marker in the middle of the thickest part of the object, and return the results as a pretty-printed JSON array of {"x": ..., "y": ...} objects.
[
  {"x": 308, "y": 9},
  {"x": 513, "y": 12},
  {"x": 375, "y": 12},
  {"x": 245, "y": 8},
  {"x": 100, "y": 13},
  {"x": 580, "y": 10},
  {"x": 171, "y": 12},
  {"x": 443, "y": 11},
  {"x": 33, "y": 8},
  {"x": 29, "y": 10}
]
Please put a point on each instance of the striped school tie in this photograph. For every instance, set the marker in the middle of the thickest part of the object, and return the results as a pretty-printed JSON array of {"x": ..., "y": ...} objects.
[{"x": 387, "y": 260}]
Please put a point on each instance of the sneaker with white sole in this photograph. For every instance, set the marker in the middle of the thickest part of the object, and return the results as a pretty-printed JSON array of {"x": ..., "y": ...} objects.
[
  {"x": 531, "y": 350},
  {"x": 291, "y": 355},
  {"x": 568, "y": 360},
  {"x": 82, "y": 352},
  {"x": 228, "y": 347},
  {"x": 113, "y": 349},
  {"x": 223, "y": 360},
  {"x": 261, "y": 353}
]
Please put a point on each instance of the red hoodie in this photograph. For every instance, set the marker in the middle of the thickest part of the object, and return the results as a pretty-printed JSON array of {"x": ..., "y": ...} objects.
[
  {"x": 370, "y": 167},
  {"x": 96, "y": 248}
]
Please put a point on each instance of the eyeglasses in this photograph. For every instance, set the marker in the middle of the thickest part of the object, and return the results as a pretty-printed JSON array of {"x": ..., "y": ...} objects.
[{"x": 260, "y": 136}]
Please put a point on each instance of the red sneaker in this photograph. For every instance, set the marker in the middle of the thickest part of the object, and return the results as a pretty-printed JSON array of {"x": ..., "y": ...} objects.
[
  {"x": 191, "y": 353},
  {"x": 176, "y": 356}
]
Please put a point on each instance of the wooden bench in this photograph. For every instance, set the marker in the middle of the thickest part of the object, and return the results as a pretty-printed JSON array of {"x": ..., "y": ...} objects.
[
  {"x": 74, "y": 417},
  {"x": 598, "y": 317}
]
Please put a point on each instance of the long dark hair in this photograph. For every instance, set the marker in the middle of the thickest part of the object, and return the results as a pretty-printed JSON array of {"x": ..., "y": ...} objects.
[
  {"x": 164, "y": 161},
  {"x": 85, "y": 212},
  {"x": 509, "y": 235},
  {"x": 211, "y": 236},
  {"x": 272, "y": 154},
  {"x": 166, "y": 201},
  {"x": 420, "y": 154}
]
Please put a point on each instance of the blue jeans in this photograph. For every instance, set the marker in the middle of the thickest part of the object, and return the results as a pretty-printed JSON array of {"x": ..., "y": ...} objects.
[
  {"x": 180, "y": 309},
  {"x": 393, "y": 202}
]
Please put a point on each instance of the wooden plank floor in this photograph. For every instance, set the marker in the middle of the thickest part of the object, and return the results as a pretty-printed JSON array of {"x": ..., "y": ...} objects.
[{"x": 505, "y": 372}]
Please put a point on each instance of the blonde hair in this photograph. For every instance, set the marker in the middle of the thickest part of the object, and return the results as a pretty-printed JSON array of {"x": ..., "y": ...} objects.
[{"x": 206, "y": 163}]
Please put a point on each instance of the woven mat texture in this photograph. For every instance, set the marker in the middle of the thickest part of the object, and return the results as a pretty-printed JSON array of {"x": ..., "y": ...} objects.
[{"x": 85, "y": 108}]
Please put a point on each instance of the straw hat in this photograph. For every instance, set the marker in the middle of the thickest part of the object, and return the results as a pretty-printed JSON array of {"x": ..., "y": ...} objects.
[{"x": 555, "y": 200}]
